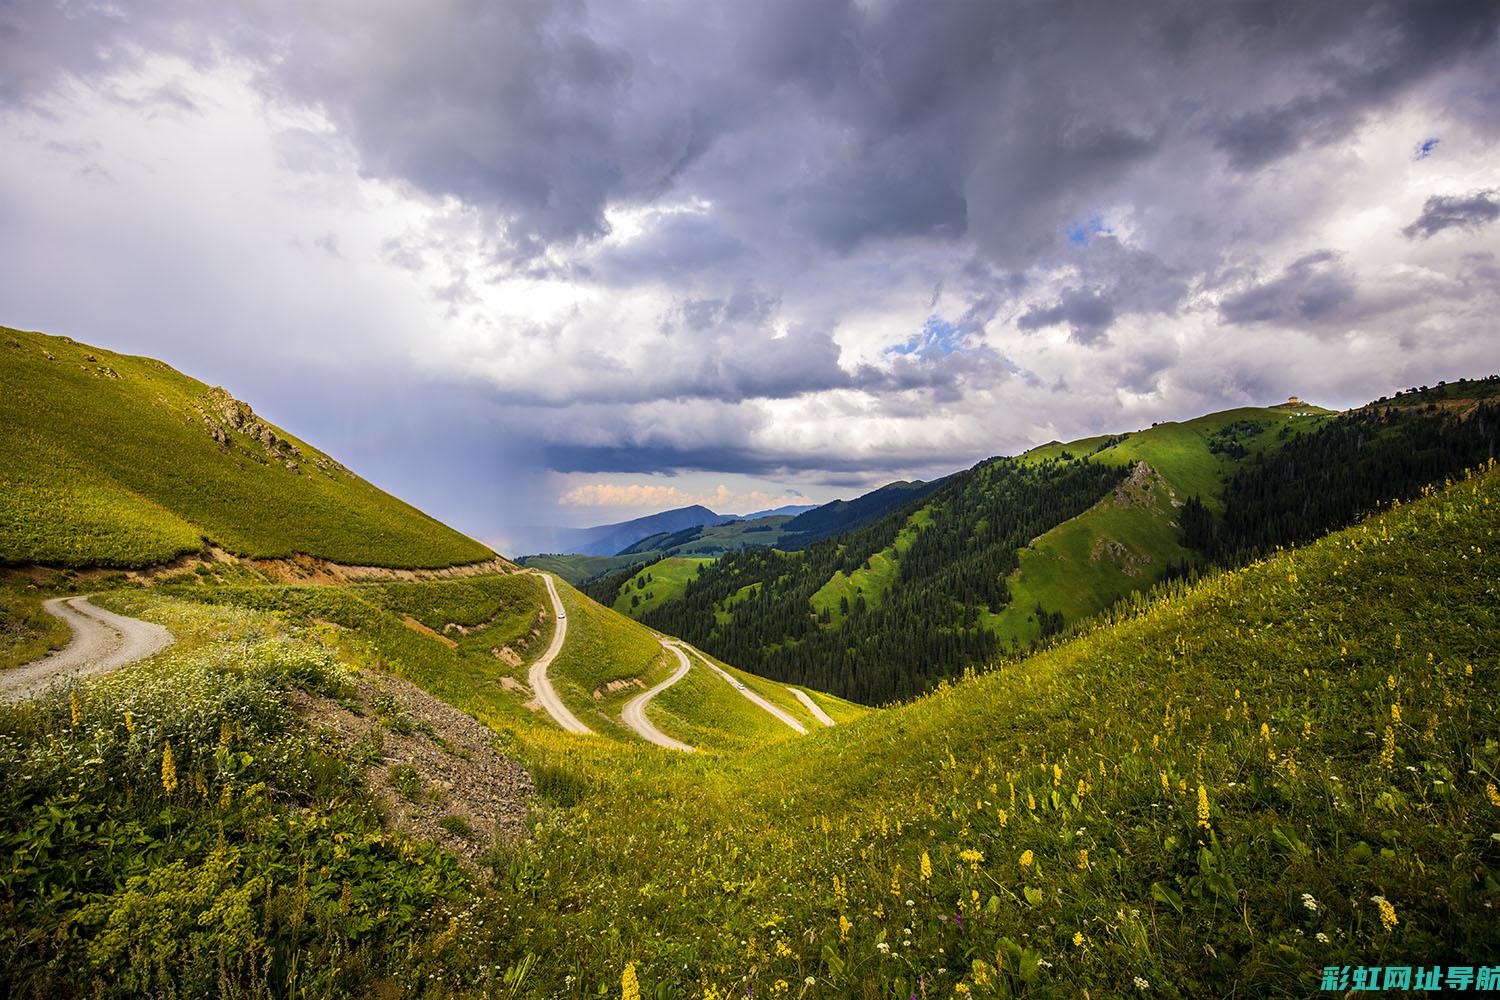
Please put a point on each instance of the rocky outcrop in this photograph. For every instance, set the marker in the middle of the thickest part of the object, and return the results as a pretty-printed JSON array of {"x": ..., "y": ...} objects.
[
  {"x": 1139, "y": 488},
  {"x": 227, "y": 418},
  {"x": 1129, "y": 561}
]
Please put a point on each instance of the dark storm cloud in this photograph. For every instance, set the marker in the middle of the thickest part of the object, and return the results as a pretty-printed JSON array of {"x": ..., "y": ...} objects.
[
  {"x": 673, "y": 248},
  {"x": 858, "y": 122},
  {"x": 1397, "y": 44},
  {"x": 1465, "y": 211},
  {"x": 1312, "y": 290},
  {"x": 1088, "y": 313}
]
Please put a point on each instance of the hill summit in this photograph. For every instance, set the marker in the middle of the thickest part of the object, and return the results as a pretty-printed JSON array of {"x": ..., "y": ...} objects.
[{"x": 112, "y": 460}]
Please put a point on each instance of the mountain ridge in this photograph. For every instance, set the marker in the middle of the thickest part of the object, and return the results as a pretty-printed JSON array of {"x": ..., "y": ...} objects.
[{"x": 109, "y": 459}]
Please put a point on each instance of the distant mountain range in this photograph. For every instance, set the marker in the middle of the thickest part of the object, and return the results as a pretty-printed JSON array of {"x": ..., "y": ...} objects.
[
  {"x": 684, "y": 531},
  {"x": 610, "y": 539}
]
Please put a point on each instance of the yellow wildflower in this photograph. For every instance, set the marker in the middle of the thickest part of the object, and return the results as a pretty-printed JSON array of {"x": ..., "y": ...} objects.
[
  {"x": 1078, "y": 939},
  {"x": 971, "y": 857},
  {"x": 1166, "y": 786},
  {"x": 1388, "y": 748},
  {"x": 129, "y": 722},
  {"x": 895, "y": 884},
  {"x": 1395, "y": 713},
  {"x": 225, "y": 733},
  {"x": 630, "y": 986},
  {"x": 1031, "y": 802},
  {"x": 1004, "y": 816},
  {"x": 1390, "y": 682},
  {"x": 1056, "y": 775},
  {"x": 844, "y": 927},
  {"x": 75, "y": 709},
  {"x": 168, "y": 769},
  {"x": 1083, "y": 859},
  {"x": 1265, "y": 731},
  {"x": 1203, "y": 812},
  {"x": 1493, "y": 793},
  {"x": 1026, "y": 858},
  {"x": 1388, "y": 918},
  {"x": 926, "y": 870}
]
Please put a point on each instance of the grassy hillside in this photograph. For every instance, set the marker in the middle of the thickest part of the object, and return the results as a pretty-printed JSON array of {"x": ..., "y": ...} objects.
[
  {"x": 1132, "y": 538},
  {"x": 111, "y": 460},
  {"x": 579, "y": 570},
  {"x": 661, "y": 581},
  {"x": 1007, "y": 554},
  {"x": 1278, "y": 768},
  {"x": 870, "y": 580},
  {"x": 1213, "y": 795},
  {"x": 26, "y": 631}
]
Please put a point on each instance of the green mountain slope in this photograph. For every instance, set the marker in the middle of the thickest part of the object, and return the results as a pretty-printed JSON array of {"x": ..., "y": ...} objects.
[
  {"x": 1133, "y": 538},
  {"x": 1212, "y": 795},
  {"x": 1015, "y": 550},
  {"x": 579, "y": 570},
  {"x": 1219, "y": 792},
  {"x": 661, "y": 581},
  {"x": 112, "y": 460}
]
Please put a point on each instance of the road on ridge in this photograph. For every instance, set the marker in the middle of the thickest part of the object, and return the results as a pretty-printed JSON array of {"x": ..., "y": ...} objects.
[
  {"x": 102, "y": 641},
  {"x": 780, "y": 713},
  {"x": 811, "y": 706},
  {"x": 546, "y": 695},
  {"x": 634, "y": 714}
]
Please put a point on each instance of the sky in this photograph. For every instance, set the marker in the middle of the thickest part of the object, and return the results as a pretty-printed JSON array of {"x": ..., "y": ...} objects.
[{"x": 531, "y": 262}]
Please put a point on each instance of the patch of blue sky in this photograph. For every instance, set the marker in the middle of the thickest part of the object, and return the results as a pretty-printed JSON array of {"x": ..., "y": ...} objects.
[
  {"x": 938, "y": 338},
  {"x": 1079, "y": 233},
  {"x": 1425, "y": 147}
]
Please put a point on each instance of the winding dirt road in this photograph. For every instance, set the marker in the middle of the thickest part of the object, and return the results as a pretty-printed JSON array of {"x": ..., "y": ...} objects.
[
  {"x": 546, "y": 695},
  {"x": 775, "y": 710},
  {"x": 102, "y": 641},
  {"x": 634, "y": 714},
  {"x": 811, "y": 706}
]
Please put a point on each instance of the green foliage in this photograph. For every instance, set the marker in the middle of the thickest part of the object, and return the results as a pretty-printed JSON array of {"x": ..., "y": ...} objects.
[
  {"x": 581, "y": 570},
  {"x": 872, "y": 578},
  {"x": 1057, "y": 802},
  {"x": 405, "y": 780},
  {"x": 111, "y": 460},
  {"x": 759, "y": 608},
  {"x": 669, "y": 578},
  {"x": 797, "y": 858},
  {"x": 27, "y": 632},
  {"x": 242, "y": 862},
  {"x": 1347, "y": 467}
]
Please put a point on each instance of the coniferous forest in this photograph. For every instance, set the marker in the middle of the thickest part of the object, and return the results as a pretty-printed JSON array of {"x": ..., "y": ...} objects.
[
  {"x": 753, "y": 607},
  {"x": 1353, "y": 465}
]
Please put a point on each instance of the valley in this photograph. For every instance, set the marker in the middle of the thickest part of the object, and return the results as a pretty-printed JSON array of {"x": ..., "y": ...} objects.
[{"x": 305, "y": 761}]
